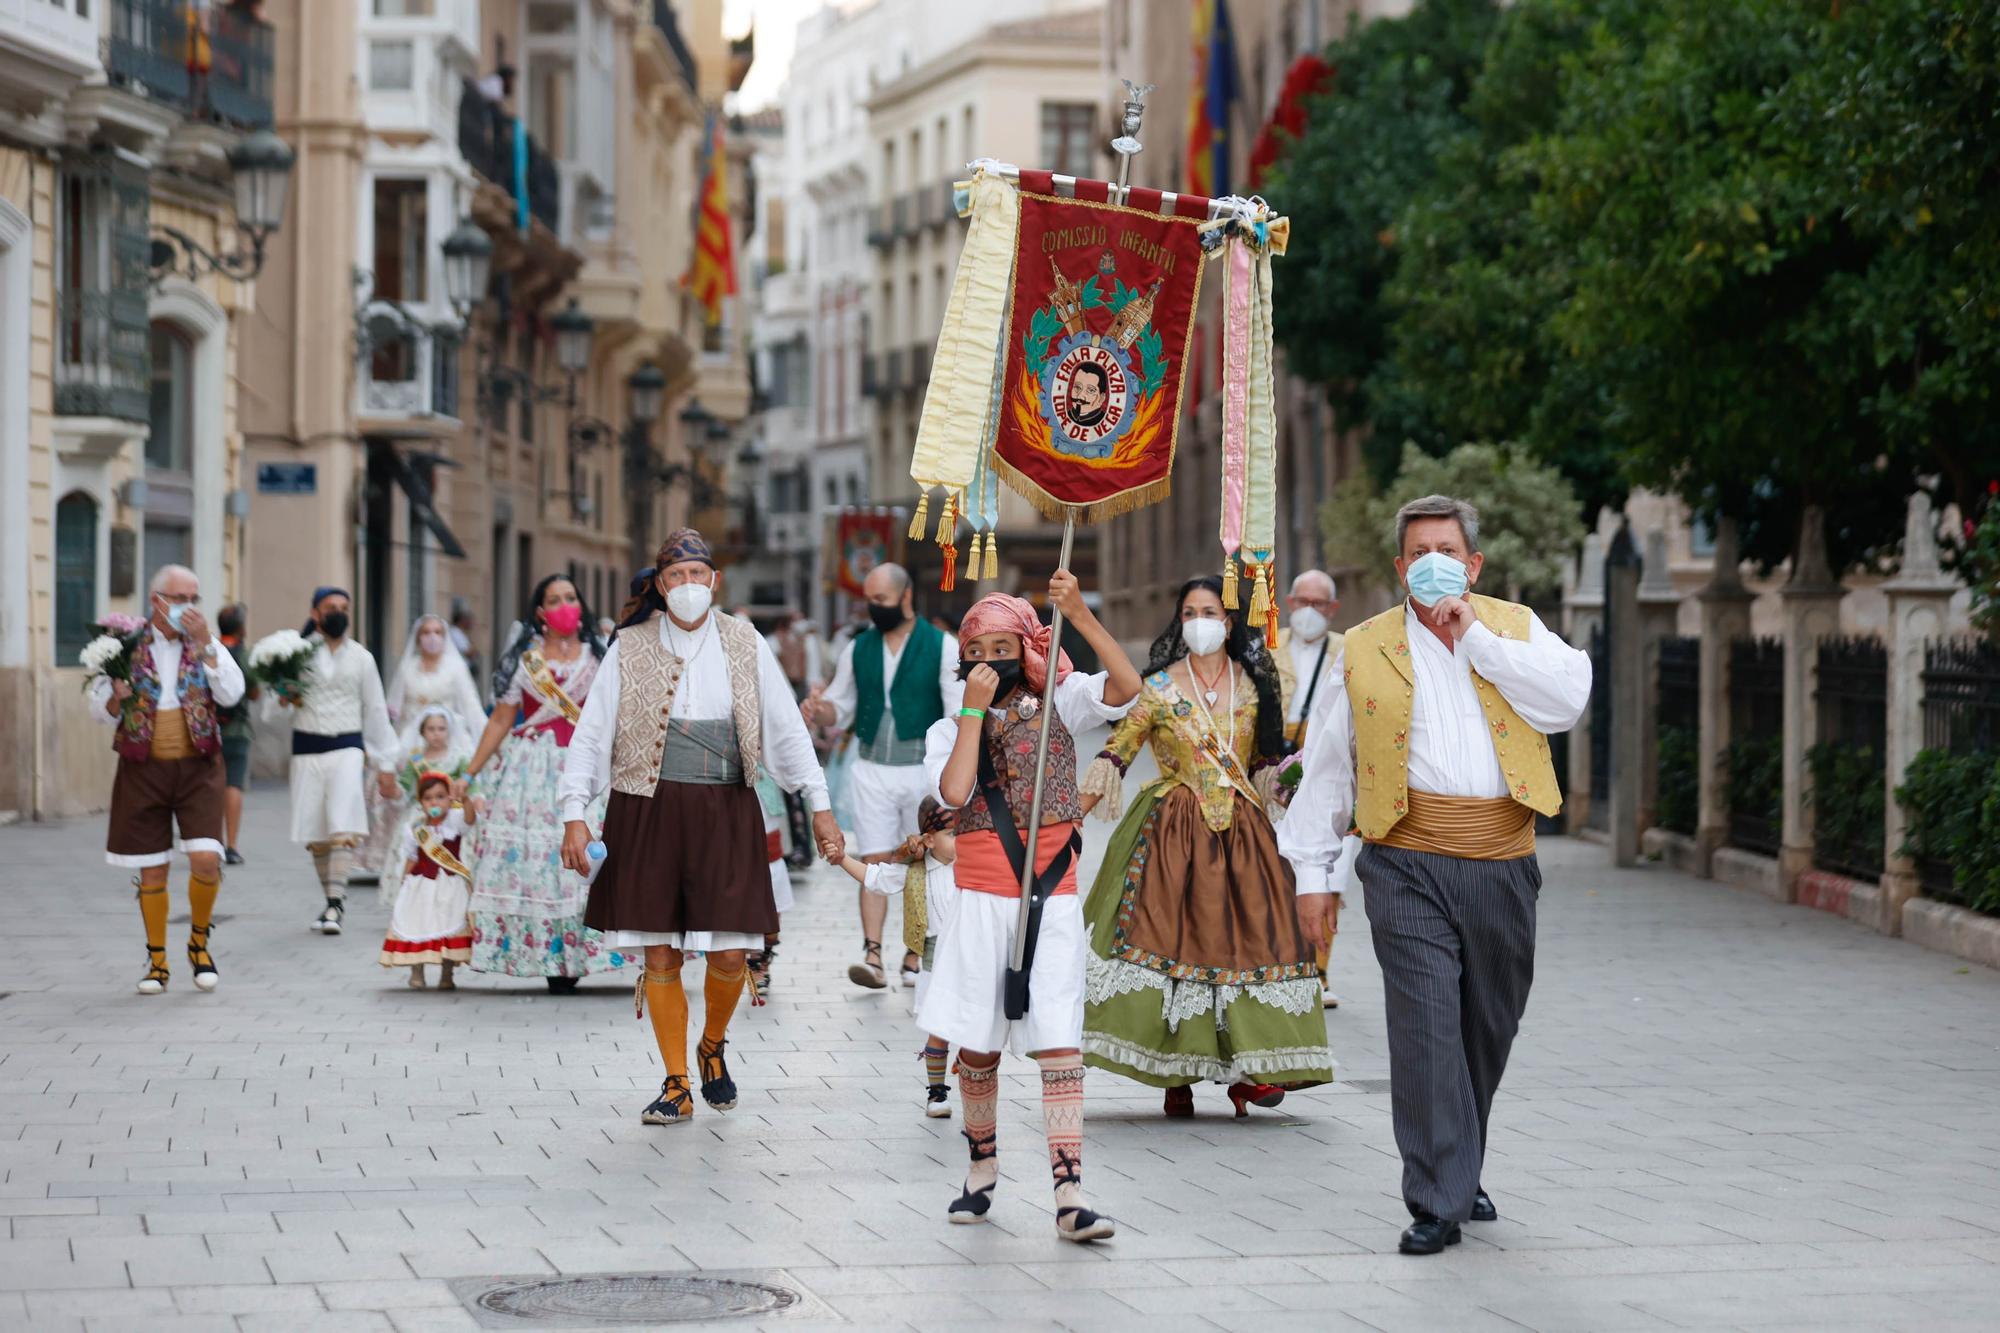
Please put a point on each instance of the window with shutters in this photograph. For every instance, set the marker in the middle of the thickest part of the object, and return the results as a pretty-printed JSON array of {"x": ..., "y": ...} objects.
[{"x": 76, "y": 575}]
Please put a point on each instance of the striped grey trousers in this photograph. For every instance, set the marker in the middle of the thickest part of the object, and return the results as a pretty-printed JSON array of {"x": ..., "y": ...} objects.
[{"x": 1456, "y": 941}]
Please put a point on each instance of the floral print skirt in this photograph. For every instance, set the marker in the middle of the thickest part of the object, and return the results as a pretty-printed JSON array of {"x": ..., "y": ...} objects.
[{"x": 527, "y": 910}]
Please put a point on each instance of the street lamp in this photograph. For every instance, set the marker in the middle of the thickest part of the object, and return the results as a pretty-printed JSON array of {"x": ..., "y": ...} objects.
[
  {"x": 468, "y": 265},
  {"x": 573, "y": 334},
  {"x": 261, "y": 166},
  {"x": 649, "y": 390}
]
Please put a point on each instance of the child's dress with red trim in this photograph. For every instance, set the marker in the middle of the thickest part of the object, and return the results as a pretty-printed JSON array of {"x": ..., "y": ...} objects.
[{"x": 429, "y": 923}]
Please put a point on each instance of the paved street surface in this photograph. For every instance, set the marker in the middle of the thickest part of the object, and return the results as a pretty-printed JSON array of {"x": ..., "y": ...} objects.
[{"x": 1721, "y": 1113}]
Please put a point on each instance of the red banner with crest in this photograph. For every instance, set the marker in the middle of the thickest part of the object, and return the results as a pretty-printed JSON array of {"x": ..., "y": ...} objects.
[
  {"x": 862, "y": 540},
  {"x": 1102, "y": 319}
]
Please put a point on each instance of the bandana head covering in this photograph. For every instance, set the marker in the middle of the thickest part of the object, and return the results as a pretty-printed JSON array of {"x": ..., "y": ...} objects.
[
  {"x": 426, "y": 779},
  {"x": 997, "y": 613},
  {"x": 683, "y": 544}
]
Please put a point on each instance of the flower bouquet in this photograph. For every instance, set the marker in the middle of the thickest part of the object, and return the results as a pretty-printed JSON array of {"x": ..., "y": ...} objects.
[
  {"x": 110, "y": 653},
  {"x": 280, "y": 662}
]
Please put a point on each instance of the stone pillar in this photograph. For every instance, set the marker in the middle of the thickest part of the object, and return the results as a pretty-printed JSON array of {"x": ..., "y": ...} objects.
[
  {"x": 1627, "y": 661},
  {"x": 1919, "y": 598},
  {"x": 1585, "y": 608},
  {"x": 1812, "y": 612},
  {"x": 1659, "y": 618},
  {"x": 1725, "y": 617}
]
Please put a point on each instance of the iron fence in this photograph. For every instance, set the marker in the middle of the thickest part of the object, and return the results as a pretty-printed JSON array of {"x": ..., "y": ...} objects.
[
  {"x": 1851, "y": 694},
  {"x": 1962, "y": 695},
  {"x": 1678, "y": 735},
  {"x": 146, "y": 49},
  {"x": 1755, "y": 755}
]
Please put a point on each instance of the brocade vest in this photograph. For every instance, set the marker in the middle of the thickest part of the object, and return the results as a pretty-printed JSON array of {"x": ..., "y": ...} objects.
[
  {"x": 1381, "y": 688},
  {"x": 649, "y": 674},
  {"x": 133, "y": 738},
  {"x": 1012, "y": 748}
]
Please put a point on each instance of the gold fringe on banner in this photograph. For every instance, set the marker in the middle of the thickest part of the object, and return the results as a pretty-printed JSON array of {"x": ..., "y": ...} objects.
[{"x": 1049, "y": 507}]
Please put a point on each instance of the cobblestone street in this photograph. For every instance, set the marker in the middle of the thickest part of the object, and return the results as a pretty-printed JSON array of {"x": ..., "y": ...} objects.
[{"x": 1720, "y": 1113}]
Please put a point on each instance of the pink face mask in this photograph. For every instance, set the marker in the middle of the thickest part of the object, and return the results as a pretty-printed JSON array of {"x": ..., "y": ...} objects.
[{"x": 563, "y": 619}]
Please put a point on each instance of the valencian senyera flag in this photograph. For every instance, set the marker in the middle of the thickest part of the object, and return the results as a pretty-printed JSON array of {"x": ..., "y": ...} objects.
[
  {"x": 711, "y": 274},
  {"x": 1102, "y": 315},
  {"x": 1211, "y": 93}
]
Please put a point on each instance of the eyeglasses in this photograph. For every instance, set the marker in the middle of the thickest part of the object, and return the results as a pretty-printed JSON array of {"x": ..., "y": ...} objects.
[{"x": 184, "y": 599}]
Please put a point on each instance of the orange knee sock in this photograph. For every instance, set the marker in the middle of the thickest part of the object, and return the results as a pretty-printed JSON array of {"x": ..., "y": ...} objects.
[
  {"x": 153, "y": 911},
  {"x": 719, "y": 992},
  {"x": 669, "y": 1005},
  {"x": 201, "y": 900}
]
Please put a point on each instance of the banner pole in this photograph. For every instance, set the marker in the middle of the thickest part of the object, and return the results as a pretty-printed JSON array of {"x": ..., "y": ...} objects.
[{"x": 1126, "y": 146}]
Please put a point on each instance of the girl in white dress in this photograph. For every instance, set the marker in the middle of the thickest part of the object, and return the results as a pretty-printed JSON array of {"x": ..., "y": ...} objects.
[
  {"x": 434, "y": 741},
  {"x": 429, "y": 924},
  {"x": 431, "y": 674}
]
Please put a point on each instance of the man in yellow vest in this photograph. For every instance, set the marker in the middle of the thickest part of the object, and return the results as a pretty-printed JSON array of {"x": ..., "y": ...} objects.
[{"x": 1433, "y": 745}]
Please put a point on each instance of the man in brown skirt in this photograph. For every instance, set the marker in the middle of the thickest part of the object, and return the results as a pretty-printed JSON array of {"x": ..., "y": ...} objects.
[
  {"x": 685, "y": 706},
  {"x": 170, "y": 770}
]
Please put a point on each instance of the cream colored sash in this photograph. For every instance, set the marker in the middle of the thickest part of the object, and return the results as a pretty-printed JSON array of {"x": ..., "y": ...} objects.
[
  {"x": 545, "y": 684},
  {"x": 431, "y": 845}
]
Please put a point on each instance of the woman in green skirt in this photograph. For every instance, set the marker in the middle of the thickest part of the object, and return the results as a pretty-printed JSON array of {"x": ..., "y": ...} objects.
[{"x": 1198, "y": 969}]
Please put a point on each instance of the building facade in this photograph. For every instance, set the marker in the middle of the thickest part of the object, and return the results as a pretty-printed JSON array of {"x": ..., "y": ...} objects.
[{"x": 120, "y": 378}]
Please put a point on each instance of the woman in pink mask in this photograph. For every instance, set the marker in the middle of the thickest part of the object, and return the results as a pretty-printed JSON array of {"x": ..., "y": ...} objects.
[{"x": 527, "y": 912}]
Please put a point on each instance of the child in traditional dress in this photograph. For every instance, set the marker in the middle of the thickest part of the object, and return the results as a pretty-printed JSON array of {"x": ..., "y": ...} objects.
[
  {"x": 435, "y": 742},
  {"x": 981, "y": 763},
  {"x": 921, "y": 871},
  {"x": 429, "y": 922}
]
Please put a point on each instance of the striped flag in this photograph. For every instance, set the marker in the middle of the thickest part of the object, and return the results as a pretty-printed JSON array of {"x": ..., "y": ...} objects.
[
  {"x": 711, "y": 274},
  {"x": 1210, "y": 93}
]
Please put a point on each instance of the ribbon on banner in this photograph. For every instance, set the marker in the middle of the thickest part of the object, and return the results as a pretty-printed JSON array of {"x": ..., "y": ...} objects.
[
  {"x": 1246, "y": 237},
  {"x": 957, "y": 422}
]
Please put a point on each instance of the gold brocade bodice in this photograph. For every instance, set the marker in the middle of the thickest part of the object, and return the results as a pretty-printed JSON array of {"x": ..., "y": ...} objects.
[{"x": 1167, "y": 719}]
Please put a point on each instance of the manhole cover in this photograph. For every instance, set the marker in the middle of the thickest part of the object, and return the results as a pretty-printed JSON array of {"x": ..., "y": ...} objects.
[
  {"x": 1368, "y": 1084},
  {"x": 608, "y": 1300}
]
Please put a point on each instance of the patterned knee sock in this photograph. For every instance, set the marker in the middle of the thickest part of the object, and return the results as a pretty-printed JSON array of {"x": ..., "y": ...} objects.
[
  {"x": 339, "y": 861},
  {"x": 668, "y": 1001},
  {"x": 201, "y": 900},
  {"x": 720, "y": 991},
  {"x": 1062, "y": 1118},
  {"x": 322, "y": 855},
  {"x": 936, "y": 1054},
  {"x": 153, "y": 911},
  {"x": 979, "y": 1104}
]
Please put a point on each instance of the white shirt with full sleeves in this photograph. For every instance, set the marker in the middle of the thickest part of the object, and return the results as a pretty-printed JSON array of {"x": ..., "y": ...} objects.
[
  {"x": 225, "y": 679},
  {"x": 1451, "y": 752},
  {"x": 845, "y": 695},
  {"x": 344, "y": 694},
  {"x": 1079, "y": 703},
  {"x": 703, "y": 695}
]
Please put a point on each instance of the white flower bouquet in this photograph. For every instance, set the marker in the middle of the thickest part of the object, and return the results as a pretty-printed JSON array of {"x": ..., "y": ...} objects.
[
  {"x": 110, "y": 653},
  {"x": 280, "y": 663}
]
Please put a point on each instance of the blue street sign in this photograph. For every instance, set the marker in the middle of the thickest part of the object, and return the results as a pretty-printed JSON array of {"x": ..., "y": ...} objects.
[{"x": 287, "y": 478}]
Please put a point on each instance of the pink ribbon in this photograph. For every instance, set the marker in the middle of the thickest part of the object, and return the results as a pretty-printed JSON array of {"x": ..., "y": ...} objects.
[{"x": 1235, "y": 393}]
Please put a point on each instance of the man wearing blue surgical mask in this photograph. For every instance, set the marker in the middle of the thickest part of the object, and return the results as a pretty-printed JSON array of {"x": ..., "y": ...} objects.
[{"x": 1433, "y": 744}]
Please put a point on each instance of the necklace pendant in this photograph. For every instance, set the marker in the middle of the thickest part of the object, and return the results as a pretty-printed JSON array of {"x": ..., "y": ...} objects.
[{"x": 1211, "y": 698}]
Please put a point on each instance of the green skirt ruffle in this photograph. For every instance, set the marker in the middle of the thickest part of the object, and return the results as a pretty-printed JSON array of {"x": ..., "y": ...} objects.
[{"x": 1213, "y": 1013}]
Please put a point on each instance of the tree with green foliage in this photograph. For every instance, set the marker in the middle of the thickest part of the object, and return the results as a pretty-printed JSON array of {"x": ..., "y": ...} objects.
[{"x": 1527, "y": 515}]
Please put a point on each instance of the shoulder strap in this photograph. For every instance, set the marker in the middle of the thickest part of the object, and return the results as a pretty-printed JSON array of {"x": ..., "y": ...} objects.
[{"x": 1009, "y": 833}]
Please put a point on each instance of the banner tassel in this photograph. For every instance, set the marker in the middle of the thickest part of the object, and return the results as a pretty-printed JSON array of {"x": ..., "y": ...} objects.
[
  {"x": 920, "y": 524},
  {"x": 1263, "y": 610},
  {"x": 948, "y": 521},
  {"x": 950, "y": 580},
  {"x": 1230, "y": 600},
  {"x": 992, "y": 556}
]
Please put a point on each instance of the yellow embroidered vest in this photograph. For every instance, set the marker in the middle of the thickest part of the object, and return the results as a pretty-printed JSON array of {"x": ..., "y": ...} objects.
[
  {"x": 1381, "y": 685},
  {"x": 648, "y": 677}
]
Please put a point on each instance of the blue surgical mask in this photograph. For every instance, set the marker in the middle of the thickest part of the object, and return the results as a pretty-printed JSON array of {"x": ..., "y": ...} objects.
[
  {"x": 1434, "y": 577},
  {"x": 176, "y": 613}
]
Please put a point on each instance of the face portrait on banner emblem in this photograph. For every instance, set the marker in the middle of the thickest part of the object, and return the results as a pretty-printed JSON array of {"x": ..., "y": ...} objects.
[{"x": 1089, "y": 397}]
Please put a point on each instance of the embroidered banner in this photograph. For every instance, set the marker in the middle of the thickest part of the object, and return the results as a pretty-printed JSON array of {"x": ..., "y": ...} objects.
[
  {"x": 1102, "y": 317},
  {"x": 863, "y": 539}
]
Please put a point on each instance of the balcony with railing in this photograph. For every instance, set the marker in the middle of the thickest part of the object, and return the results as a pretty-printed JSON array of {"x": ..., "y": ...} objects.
[
  {"x": 670, "y": 30},
  {"x": 486, "y": 140},
  {"x": 407, "y": 371},
  {"x": 103, "y": 365},
  {"x": 213, "y": 64}
]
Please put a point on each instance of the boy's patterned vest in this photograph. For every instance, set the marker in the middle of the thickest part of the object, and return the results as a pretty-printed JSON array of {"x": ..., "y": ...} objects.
[
  {"x": 1381, "y": 686},
  {"x": 648, "y": 677},
  {"x": 1013, "y": 752},
  {"x": 134, "y": 737}
]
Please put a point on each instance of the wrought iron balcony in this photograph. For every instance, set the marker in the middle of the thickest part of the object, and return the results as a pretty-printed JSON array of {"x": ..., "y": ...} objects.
[
  {"x": 236, "y": 87},
  {"x": 486, "y": 139},
  {"x": 670, "y": 28},
  {"x": 103, "y": 365},
  {"x": 148, "y": 49}
]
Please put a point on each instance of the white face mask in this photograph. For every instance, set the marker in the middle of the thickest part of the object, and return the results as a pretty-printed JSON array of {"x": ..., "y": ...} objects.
[
  {"x": 1309, "y": 624},
  {"x": 1203, "y": 637},
  {"x": 689, "y": 602},
  {"x": 432, "y": 643}
]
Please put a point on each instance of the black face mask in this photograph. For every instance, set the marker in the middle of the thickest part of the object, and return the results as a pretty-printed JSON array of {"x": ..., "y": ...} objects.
[
  {"x": 886, "y": 618},
  {"x": 333, "y": 624},
  {"x": 1008, "y": 669}
]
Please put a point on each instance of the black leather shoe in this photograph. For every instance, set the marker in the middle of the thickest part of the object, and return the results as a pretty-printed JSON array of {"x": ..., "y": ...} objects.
[
  {"x": 1428, "y": 1235},
  {"x": 1483, "y": 1209}
]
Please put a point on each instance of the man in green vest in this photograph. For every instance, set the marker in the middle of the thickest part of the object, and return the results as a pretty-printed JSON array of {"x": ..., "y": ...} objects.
[
  {"x": 1432, "y": 743},
  {"x": 894, "y": 679}
]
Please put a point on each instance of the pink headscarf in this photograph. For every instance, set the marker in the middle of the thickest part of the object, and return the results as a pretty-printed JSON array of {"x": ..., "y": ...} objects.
[{"x": 997, "y": 613}]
